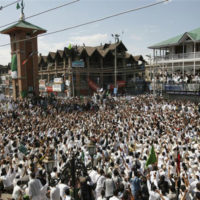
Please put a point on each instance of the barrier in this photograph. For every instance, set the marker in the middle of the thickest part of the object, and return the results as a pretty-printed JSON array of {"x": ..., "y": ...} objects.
[{"x": 184, "y": 89}]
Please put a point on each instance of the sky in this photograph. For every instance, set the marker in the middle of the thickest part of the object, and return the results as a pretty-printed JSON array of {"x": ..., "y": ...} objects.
[{"x": 138, "y": 30}]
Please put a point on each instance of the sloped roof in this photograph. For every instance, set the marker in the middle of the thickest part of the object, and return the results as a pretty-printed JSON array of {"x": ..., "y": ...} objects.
[
  {"x": 52, "y": 55},
  {"x": 138, "y": 57},
  {"x": 23, "y": 25},
  {"x": 42, "y": 58},
  {"x": 39, "y": 59},
  {"x": 128, "y": 55},
  {"x": 60, "y": 52},
  {"x": 103, "y": 50},
  {"x": 80, "y": 49},
  {"x": 90, "y": 50},
  {"x": 194, "y": 34}
]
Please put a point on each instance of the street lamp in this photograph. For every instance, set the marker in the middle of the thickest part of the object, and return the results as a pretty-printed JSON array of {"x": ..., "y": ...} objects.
[
  {"x": 92, "y": 150},
  {"x": 49, "y": 163}
]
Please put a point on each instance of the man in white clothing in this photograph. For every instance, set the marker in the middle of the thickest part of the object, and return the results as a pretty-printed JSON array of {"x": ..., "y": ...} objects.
[
  {"x": 17, "y": 191},
  {"x": 67, "y": 194},
  {"x": 34, "y": 188},
  {"x": 115, "y": 197},
  {"x": 55, "y": 191}
]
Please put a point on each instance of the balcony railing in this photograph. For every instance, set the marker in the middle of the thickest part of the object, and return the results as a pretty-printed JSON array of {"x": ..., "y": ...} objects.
[{"x": 181, "y": 56}]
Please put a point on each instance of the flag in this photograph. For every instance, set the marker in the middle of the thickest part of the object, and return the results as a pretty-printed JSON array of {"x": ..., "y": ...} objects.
[
  {"x": 152, "y": 157},
  {"x": 70, "y": 47},
  {"x": 23, "y": 149},
  {"x": 82, "y": 156},
  {"x": 14, "y": 66},
  {"x": 26, "y": 60},
  {"x": 178, "y": 163},
  {"x": 14, "y": 63},
  {"x": 18, "y": 6}
]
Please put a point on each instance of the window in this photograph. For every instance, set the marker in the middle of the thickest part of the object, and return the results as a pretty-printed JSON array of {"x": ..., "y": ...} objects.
[
  {"x": 198, "y": 47},
  {"x": 179, "y": 49}
]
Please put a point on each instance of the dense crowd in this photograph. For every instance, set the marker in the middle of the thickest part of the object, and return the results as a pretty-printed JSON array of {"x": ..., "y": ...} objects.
[
  {"x": 179, "y": 78},
  {"x": 124, "y": 130}
]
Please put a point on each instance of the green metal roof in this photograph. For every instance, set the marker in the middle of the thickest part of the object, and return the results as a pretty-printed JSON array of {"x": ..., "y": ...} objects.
[
  {"x": 194, "y": 34},
  {"x": 24, "y": 24}
]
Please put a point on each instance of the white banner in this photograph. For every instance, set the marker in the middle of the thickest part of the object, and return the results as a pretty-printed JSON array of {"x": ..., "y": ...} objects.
[
  {"x": 58, "y": 87},
  {"x": 14, "y": 75},
  {"x": 67, "y": 83},
  {"x": 58, "y": 80}
]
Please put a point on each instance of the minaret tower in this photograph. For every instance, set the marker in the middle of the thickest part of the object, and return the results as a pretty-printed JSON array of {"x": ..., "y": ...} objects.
[{"x": 24, "y": 53}]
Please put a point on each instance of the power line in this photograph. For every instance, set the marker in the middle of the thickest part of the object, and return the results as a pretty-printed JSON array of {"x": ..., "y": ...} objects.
[
  {"x": 87, "y": 23},
  {"x": 2, "y": 7},
  {"x": 40, "y": 13}
]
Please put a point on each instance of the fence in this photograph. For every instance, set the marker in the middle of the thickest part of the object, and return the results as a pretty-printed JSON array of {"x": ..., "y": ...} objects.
[{"x": 184, "y": 89}]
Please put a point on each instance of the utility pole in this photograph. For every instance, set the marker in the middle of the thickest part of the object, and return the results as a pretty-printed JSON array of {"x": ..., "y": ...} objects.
[
  {"x": 116, "y": 37},
  {"x": 154, "y": 83},
  {"x": 150, "y": 63}
]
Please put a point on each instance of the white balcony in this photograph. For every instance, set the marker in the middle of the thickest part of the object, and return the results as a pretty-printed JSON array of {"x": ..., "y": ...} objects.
[{"x": 187, "y": 57}]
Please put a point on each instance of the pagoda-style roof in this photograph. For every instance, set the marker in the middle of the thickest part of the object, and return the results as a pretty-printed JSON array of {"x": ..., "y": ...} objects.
[{"x": 23, "y": 25}]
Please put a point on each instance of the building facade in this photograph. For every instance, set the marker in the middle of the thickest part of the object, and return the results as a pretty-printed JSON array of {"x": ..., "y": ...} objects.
[
  {"x": 85, "y": 69},
  {"x": 179, "y": 54},
  {"x": 5, "y": 80},
  {"x": 24, "y": 64},
  {"x": 177, "y": 61}
]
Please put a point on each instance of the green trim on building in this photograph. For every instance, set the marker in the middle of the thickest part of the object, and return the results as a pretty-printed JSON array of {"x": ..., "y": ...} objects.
[
  {"x": 194, "y": 34},
  {"x": 24, "y": 24}
]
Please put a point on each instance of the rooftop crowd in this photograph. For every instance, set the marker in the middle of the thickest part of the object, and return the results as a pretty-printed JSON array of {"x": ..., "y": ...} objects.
[
  {"x": 178, "y": 78},
  {"x": 125, "y": 131}
]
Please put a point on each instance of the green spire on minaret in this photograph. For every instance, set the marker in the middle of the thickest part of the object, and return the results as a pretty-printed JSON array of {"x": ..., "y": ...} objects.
[
  {"x": 22, "y": 17},
  {"x": 18, "y": 6},
  {"x": 22, "y": 10}
]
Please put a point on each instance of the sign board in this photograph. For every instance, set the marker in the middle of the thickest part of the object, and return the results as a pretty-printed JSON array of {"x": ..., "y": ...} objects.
[
  {"x": 67, "y": 83},
  {"x": 49, "y": 89},
  {"x": 3, "y": 78},
  {"x": 42, "y": 82},
  {"x": 78, "y": 63},
  {"x": 14, "y": 75},
  {"x": 58, "y": 87},
  {"x": 58, "y": 80},
  {"x": 115, "y": 90}
]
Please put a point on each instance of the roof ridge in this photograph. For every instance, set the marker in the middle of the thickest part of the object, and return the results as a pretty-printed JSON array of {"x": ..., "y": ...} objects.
[{"x": 195, "y": 34}]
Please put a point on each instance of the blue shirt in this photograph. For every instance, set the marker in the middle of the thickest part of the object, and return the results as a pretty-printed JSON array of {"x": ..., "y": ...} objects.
[{"x": 135, "y": 185}]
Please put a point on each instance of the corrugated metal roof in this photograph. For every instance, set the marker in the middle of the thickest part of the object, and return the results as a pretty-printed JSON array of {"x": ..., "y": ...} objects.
[
  {"x": 194, "y": 34},
  {"x": 23, "y": 24}
]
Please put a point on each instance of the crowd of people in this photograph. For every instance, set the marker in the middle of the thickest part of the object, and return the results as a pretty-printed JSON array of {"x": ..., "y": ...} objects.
[
  {"x": 179, "y": 78},
  {"x": 125, "y": 131}
]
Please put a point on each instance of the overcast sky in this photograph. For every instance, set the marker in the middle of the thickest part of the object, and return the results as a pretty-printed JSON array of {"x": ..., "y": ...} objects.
[{"x": 137, "y": 30}]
